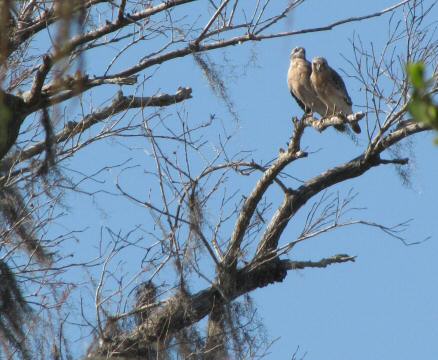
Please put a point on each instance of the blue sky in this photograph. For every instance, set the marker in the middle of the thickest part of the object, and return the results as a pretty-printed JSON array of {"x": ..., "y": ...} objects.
[{"x": 383, "y": 306}]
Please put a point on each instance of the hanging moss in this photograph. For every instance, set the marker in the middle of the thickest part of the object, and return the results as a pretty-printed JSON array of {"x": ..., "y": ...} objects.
[{"x": 11, "y": 117}]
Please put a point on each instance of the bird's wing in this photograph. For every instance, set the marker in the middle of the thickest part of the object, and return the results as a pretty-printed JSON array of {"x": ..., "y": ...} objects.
[
  {"x": 299, "y": 102},
  {"x": 340, "y": 85},
  {"x": 295, "y": 77}
]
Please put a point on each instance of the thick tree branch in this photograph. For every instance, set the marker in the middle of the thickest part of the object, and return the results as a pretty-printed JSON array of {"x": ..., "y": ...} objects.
[
  {"x": 324, "y": 123},
  {"x": 250, "y": 205},
  {"x": 399, "y": 134},
  {"x": 64, "y": 89},
  {"x": 38, "y": 82},
  {"x": 119, "y": 104},
  {"x": 180, "y": 312},
  {"x": 296, "y": 199}
]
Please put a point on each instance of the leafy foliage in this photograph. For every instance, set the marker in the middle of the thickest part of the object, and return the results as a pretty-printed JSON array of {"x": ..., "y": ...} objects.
[
  {"x": 13, "y": 312},
  {"x": 422, "y": 107}
]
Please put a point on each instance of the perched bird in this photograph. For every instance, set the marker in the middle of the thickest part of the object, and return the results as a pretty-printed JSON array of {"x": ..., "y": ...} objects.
[
  {"x": 298, "y": 81},
  {"x": 331, "y": 89}
]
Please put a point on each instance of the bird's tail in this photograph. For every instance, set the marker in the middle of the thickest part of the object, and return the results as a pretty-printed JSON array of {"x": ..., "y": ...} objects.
[{"x": 356, "y": 128}]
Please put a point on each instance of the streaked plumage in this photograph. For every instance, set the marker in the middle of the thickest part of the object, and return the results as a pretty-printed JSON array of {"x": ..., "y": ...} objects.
[
  {"x": 330, "y": 88},
  {"x": 298, "y": 81}
]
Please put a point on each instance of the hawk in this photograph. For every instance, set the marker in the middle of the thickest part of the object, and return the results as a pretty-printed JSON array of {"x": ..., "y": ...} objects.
[
  {"x": 298, "y": 81},
  {"x": 331, "y": 89}
]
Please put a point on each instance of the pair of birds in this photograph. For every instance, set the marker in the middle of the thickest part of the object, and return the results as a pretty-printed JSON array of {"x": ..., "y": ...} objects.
[{"x": 318, "y": 88}]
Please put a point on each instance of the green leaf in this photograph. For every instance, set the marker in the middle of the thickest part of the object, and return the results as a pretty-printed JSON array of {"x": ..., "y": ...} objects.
[
  {"x": 421, "y": 105},
  {"x": 419, "y": 110},
  {"x": 416, "y": 75}
]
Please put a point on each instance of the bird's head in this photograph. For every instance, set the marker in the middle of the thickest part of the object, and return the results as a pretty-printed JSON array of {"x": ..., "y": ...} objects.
[
  {"x": 298, "y": 53},
  {"x": 319, "y": 64}
]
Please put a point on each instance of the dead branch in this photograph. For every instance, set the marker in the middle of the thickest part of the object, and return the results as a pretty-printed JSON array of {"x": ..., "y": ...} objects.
[{"x": 119, "y": 104}]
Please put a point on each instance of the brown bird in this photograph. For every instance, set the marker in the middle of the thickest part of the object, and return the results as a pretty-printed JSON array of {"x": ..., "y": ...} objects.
[
  {"x": 331, "y": 89},
  {"x": 300, "y": 87}
]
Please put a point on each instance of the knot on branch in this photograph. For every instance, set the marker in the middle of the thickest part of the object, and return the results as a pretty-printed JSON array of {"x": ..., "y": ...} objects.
[
  {"x": 129, "y": 80},
  {"x": 183, "y": 93},
  {"x": 121, "y": 80},
  {"x": 257, "y": 276},
  {"x": 252, "y": 37},
  {"x": 70, "y": 125},
  {"x": 194, "y": 46}
]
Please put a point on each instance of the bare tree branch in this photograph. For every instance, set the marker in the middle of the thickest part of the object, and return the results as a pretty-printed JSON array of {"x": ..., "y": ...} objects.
[{"x": 120, "y": 103}]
